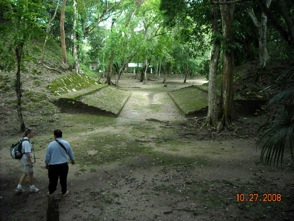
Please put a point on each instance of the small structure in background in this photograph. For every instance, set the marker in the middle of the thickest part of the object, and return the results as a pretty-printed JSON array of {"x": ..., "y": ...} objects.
[{"x": 135, "y": 66}]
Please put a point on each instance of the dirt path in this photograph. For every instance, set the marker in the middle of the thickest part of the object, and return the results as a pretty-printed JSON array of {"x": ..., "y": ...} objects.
[
  {"x": 149, "y": 105},
  {"x": 159, "y": 175}
]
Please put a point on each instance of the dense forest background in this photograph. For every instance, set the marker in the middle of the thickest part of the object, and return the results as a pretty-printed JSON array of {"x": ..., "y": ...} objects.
[
  {"x": 115, "y": 77},
  {"x": 178, "y": 38}
]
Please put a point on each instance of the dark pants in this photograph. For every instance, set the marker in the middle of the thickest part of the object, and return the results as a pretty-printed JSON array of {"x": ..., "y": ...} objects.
[{"x": 58, "y": 171}]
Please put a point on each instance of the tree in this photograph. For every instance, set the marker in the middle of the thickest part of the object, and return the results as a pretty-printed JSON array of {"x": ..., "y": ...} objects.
[
  {"x": 21, "y": 23},
  {"x": 227, "y": 12},
  {"x": 212, "y": 113},
  {"x": 132, "y": 36},
  {"x": 76, "y": 39},
  {"x": 62, "y": 33},
  {"x": 262, "y": 34},
  {"x": 282, "y": 19},
  {"x": 48, "y": 28}
]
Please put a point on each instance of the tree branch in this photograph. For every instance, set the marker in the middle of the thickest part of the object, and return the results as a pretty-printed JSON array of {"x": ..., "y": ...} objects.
[{"x": 274, "y": 22}]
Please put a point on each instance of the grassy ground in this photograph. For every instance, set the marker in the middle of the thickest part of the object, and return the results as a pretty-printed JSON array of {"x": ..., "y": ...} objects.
[{"x": 149, "y": 163}]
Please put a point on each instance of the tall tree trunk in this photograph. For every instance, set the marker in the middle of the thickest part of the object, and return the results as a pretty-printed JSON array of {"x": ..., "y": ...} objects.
[
  {"x": 110, "y": 67},
  {"x": 227, "y": 12},
  {"x": 159, "y": 69},
  {"x": 48, "y": 31},
  {"x": 111, "y": 58},
  {"x": 212, "y": 114},
  {"x": 262, "y": 35},
  {"x": 18, "y": 53},
  {"x": 75, "y": 39},
  {"x": 62, "y": 32},
  {"x": 262, "y": 40},
  {"x": 145, "y": 71}
]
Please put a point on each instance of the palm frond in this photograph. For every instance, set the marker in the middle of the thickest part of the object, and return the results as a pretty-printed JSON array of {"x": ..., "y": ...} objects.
[
  {"x": 288, "y": 74},
  {"x": 276, "y": 136},
  {"x": 284, "y": 97}
]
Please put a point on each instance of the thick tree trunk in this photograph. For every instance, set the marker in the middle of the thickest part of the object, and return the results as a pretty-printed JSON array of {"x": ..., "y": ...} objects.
[
  {"x": 62, "y": 32},
  {"x": 262, "y": 41},
  {"x": 18, "y": 52},
  {"x": 212, "y": 114},
  {"x": 227, "y": 11}
]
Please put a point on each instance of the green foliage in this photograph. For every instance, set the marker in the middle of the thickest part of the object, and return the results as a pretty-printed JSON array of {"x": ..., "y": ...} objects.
[
  {"x": 22, "y": 22},
  {"x": 203, "y": 67},
  {"x": 277, "y": 135}
]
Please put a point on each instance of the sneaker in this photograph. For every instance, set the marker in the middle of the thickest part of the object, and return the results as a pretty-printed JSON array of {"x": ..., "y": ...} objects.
[
  {"x": 19, "y": 189},
  {"x": 34, "y": 189},
  {"x": 65, "y": 194}
]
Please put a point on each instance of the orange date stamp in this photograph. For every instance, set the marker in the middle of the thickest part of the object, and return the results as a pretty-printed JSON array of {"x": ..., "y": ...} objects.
[{"x": 255, "y": 197}]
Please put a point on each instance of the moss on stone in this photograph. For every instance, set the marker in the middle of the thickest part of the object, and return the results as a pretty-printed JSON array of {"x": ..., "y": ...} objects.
[{"x": 71, "y": 83}]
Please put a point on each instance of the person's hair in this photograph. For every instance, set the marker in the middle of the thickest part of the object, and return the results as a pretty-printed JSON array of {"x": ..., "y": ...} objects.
[
  {"x": 58, "y": 133},
  {"x": 27, "y": 132}
]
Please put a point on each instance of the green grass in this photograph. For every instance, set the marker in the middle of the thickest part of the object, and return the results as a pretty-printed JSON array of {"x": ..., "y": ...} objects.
[
  {"x": 70, "y": 83},
  {"x": 85, "y": 91},
  {"x": 99, "y": 148},
  {"x": 190, "y": 99},
  {"x": 109, "y": 99}
]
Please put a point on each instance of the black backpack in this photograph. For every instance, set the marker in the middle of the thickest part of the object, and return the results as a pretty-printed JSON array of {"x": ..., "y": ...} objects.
[{"x": 16, "y": 150}]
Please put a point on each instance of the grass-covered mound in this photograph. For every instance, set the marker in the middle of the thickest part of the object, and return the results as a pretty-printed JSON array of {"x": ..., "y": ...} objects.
[
  {"x": 100, "y": 98},
  {"x": 108, "y": 99},
  {"x": 71, "y": 83},
  {"x": 190, "y": 99},
  {"x": 83, "y": 91}
]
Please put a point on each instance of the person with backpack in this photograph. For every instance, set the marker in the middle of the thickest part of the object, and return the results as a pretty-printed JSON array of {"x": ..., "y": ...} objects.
[
  {"x": 56, "y": 161},
  {"x": 27, "y": 160}
]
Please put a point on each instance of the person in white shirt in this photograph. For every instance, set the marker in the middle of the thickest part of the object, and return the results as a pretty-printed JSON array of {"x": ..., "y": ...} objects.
[
  {"x": 56, "y": 161},
  {"x": 27, "y": 160}
]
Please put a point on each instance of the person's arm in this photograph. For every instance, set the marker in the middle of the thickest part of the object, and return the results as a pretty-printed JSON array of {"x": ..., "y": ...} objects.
[
  {"x": 29, "y": 159},
  {"x": 47, "y": 158},
  {"x": 34, "y": 158},
  {"x": 71, "y": 155}
]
